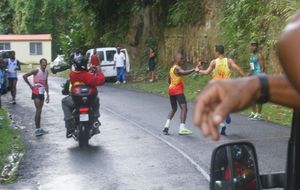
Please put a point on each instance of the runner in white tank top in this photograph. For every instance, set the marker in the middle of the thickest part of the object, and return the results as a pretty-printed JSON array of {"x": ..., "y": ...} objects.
[{"x": 39, "y": 87}]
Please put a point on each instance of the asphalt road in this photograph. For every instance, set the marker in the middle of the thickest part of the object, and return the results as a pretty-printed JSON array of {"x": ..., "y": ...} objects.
[{"x": 131, "y": 153}]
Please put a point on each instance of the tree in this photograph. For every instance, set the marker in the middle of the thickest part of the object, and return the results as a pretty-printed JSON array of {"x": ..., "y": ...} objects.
[{"x": 6, "y": 17}]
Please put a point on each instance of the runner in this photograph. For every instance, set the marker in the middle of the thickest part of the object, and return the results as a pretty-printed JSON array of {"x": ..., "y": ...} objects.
[
  {"x": 257, "y": 66},
  {"x": 12, "y": 66},
  {"x": 221, "y": 68},
  {"x": 176, "y": 93},
  {"x": 40, "y": 85}
]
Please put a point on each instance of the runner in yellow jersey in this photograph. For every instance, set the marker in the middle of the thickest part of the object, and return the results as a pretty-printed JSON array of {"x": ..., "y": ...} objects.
[
  {"x": 221, "y": 69},
  {"x": 176, "y": 93}
]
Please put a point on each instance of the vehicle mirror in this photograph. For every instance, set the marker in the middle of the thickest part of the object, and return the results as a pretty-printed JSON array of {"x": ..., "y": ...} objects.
[{"x": 234, "y": 167}]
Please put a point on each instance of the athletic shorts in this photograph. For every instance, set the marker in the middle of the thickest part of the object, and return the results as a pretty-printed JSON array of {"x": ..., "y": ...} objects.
[
  {"x": 151, "y": 65},
  {"x": 39, "y": 96},
  {"x": 180, "y": 98},
  {"x": 12, "y": 79}
]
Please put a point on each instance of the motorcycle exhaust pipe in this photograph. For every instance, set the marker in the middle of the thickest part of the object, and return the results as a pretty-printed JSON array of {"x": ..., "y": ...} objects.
[{"x": 96, "y": 124}]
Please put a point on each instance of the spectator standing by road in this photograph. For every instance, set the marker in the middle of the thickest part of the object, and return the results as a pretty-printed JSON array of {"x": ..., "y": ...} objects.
[
  {"x": 95, "y": 60},
  {"x": 152, "y": 64},
  {"x": 120, "y": 64},
  {"x": 12, "y": 66},
  {"x": 257, "y": 66},
  {"x": 39, "y": 87}
]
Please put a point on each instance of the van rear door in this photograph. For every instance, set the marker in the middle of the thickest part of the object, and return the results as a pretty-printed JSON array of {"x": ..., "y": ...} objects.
[
  {"x": 127, "y": 60},
  {"x": 107, "y": 63}
]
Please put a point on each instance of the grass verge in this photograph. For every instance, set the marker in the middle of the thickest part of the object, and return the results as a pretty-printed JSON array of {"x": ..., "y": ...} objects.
[
  {"x": 194, "y": 83},
  {"x": 10, "y": 142}
]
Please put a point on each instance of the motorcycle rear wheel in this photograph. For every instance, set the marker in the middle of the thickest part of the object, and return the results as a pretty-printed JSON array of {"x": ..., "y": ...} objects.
[{"x": 83, "y": 138}]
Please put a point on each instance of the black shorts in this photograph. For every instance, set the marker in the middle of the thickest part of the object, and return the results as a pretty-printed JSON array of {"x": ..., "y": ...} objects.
[
  {"x": 39, "y": 96},
  {"x": 180, "y": 98},
  {"x": 12, "y": 79},
  {"x": 151, "y": 65}
]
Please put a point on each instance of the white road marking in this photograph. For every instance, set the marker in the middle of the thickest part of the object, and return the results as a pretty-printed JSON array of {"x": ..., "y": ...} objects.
[{"x": 186, "y": 156}]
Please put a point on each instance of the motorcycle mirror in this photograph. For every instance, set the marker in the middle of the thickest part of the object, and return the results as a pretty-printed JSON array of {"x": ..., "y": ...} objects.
[{"x": 234, "y": 166}]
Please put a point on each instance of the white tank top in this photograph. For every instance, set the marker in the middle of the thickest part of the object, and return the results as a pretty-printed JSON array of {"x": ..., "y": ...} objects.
[{"x": 40, "y": 82}]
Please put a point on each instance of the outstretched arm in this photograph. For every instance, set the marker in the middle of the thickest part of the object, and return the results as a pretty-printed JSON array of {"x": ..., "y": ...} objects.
[
  {"x": 209, "y": 69},
  {"x": 235, "y": 67},
  {"x": 179, "y": 71}
]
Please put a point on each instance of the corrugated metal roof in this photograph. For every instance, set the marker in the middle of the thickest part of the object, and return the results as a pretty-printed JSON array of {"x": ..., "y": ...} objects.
[{"x": 27, "y": 37}]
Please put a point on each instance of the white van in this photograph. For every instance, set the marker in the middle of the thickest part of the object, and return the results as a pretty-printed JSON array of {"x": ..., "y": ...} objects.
[{"x": 106, "y": 54}]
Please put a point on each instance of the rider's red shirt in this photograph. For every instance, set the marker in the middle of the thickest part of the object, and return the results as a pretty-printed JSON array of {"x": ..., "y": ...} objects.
[{"x": 86, "y": 78}]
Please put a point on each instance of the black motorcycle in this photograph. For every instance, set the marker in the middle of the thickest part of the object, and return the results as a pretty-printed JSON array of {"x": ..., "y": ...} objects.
[{"x": 85, "y": 125}]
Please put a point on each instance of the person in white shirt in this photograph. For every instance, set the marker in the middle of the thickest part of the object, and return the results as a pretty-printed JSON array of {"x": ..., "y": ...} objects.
[{"x": 120, "y": 64}]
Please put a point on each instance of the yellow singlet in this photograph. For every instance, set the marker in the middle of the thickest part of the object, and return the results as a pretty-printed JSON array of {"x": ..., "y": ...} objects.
[
  {"x": 176, "y": 85},
  {"x": 221, "y": 70}
]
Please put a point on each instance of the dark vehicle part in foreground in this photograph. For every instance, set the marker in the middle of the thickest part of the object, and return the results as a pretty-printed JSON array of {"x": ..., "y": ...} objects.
[
  {"x": 85, "y": 125},
  {"x": 234, "y": 166}
]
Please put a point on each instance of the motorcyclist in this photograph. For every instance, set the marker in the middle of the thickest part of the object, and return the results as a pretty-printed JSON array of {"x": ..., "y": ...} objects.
[
  {"x": 243, "y": 169},
  {"x": 81, "y": 76}
]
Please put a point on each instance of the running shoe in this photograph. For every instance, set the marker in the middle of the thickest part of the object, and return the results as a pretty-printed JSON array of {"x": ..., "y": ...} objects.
[
  {"x": 256, "y": 117},
  {"x": 124, "y": 82},
  {"x": 228, "y": 119},
  {"x": 223, "y": 130},
  {"x": 38, "y": 133},
  {"x": 13, "y": 102},
  {"x": 166, "y": 130},
  {"x": 251, "y": 115},
  {"x": 118, "y": 82},
  {"x": 43, "y": 131},
  {"x": 184, "y": 131}
]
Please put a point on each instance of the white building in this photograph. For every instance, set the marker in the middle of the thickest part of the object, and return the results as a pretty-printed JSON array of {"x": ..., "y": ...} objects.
[{"x": 28, "y": 48}]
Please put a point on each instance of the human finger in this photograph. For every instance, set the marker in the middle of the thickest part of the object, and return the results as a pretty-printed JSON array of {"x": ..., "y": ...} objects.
[{"x": 207, "y": 97}]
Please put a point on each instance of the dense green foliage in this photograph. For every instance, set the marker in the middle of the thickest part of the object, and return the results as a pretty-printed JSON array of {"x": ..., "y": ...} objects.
[
  {"x": 88, "y": 23},
  {"x": 6, "y": 17},
  {"x": 186, "y": 12},
  {"x": 246, "y": 20}
]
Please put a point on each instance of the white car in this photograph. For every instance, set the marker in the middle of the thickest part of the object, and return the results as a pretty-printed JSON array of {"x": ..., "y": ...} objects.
[{"x": 106, "y": 54}]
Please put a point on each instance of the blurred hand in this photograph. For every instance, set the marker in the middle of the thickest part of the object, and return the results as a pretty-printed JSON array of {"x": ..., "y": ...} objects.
[
  {"x": 47, "y": 100},
  {"x": 200, "y": 64},
  {"x": 220, "y": 98}
]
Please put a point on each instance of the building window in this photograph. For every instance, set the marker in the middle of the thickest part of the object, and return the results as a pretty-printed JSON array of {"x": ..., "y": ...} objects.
[
  {"x": 36, "y": 48},
  {"x": 5, "y": 46}
]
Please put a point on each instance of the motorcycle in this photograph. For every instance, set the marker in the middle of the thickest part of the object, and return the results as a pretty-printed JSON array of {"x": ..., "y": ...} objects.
[{"x": 85, "y": 125}]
